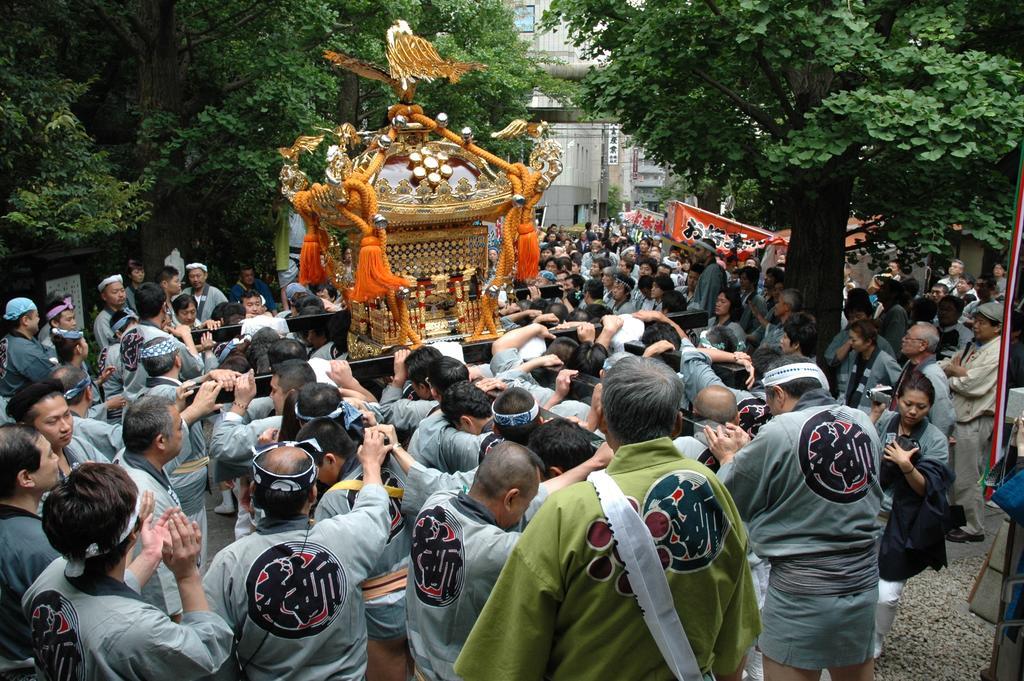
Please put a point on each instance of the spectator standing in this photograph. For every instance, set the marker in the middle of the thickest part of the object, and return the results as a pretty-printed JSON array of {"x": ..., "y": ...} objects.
[
  {"x": 247, "y": 281},
  {"x": 114, "y": 299},
  {"x": 973, "y": 374},
  {"x": 207, "y": 297}
]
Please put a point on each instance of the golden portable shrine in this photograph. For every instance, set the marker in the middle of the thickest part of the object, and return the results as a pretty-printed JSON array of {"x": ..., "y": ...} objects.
[{"x": 415, "y": 202}]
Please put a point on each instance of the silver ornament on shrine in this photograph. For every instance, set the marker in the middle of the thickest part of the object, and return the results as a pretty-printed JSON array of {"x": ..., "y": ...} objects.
[
  {"x": 442, "y": 120},
  {"x": 467, "y": 134},
  {"x": 519, "y": 200},
  {"x": 380, "y": 222}
]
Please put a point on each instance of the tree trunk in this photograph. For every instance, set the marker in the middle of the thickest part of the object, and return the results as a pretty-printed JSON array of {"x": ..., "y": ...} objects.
[
  {"x": 814, "y": 263},
  {"x": 348, "y": 100},
  {"x": 161, "y": 103}
]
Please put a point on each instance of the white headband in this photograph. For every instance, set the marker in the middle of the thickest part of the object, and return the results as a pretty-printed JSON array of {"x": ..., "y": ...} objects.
[
  {"x": 195, "y": 266},
  {"x": 76, "y": 567},
  {"x": 791, "y": 372},
  {"x": 113, "y": 278}
]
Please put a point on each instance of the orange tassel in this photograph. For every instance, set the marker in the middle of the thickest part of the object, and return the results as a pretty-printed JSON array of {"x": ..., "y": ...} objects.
[
  {"x": 373, "y": 277},
  {"x": 311, "y": 268},
  {"x": 528, "y": 252}
]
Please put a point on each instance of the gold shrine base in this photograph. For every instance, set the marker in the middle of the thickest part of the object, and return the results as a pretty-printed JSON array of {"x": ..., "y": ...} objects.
[{"x": 447, "y": 267}]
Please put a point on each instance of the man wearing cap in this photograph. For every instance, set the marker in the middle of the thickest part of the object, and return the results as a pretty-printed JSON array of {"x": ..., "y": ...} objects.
[
  {"x": 291, "y": 592},
  {"x": 808, "y": 490},
  {"x": 23, "y": 359},
  {"x": 973, "y": 374},
  {"x": 207, "y": 297},
  {"x": 712, "y": 279},
  {"x": 247, "y": 281},
  {"x": 453, "y": 574},
  {"x": 621, "y": 294},
  {"x": 114, "y": 299}
]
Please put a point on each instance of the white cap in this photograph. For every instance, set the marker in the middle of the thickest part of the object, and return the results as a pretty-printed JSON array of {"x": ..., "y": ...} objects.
[
  {"x": 112, "y": 279},
  {"x": 195, "y": 266}
]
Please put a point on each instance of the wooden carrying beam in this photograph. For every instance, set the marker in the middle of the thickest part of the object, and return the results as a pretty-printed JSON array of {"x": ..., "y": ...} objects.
[{"x": 474, "y": 353}]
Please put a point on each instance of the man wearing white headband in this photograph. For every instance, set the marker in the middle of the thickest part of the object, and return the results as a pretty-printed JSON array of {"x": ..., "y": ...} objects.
[
  {"x": 207, "y": 297},
  {"x": 460, "y": 543},
  {"x": 114, "y": 299},
  {"x": 807, "y": 487},
  {"x": 292, "y": 592},
  {"x": 81, "y": 609},
  {"x": 712, "y": 279}
]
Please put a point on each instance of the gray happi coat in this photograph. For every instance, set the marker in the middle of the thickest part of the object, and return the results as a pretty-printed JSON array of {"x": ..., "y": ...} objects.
[
  {"x": 162, "y": 589},
  {"x": 98, "y": 629},
  {"x": 808, "y": 482},
  {"x": 291, "y": 593},
  {"x": 458, "y": 552}
]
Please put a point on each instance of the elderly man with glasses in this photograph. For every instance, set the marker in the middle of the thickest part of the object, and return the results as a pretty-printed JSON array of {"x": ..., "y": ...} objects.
[{"x": 919, "y": 345}]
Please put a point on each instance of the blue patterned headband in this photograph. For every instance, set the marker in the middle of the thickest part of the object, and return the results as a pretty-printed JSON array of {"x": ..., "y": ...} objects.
[
  {"x": 77, "y": 389},
  {"x": 72, "y": 334},
  {"x": 512, "y": 420},
  {"x": 123, "y": 321},
  {"x": 159, "y": 350}
]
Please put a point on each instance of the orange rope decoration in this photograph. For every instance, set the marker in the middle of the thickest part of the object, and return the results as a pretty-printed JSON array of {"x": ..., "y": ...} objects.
[
  {"x": 374, "y": 277},
  {"x": 519, "y": 233}
]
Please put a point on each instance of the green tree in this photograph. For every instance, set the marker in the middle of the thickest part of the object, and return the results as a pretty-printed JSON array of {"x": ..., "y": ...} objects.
[
  {"x": 615, "y": 200},
  {"x": 876, "y": 108},
  {"x": 160, "y": 119}
]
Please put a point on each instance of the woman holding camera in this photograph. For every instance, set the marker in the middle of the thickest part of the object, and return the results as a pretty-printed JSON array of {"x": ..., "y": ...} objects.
[{"x": 914, "y": 477}]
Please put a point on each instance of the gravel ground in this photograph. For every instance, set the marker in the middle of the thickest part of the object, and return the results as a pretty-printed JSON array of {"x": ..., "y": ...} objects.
[{"x": 935, "y": 636}]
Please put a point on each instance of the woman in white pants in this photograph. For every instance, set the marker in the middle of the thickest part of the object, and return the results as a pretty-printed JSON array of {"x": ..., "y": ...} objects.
[{"x": 914, "y": 477}]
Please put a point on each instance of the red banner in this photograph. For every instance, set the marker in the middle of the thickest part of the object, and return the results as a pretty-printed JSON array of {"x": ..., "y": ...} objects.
[
  {"x": 646, "y": 220},
  {"x": 688, "y": 224}
]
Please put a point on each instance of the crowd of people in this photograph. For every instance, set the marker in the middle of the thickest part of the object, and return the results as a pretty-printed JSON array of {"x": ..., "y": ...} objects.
[{"x": 567, "y": 510}]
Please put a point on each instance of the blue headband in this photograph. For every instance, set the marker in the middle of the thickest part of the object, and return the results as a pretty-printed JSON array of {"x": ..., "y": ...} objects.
[
  {"x": 225, "y": 350},
  {"x": 123, "y": 321},
  {"x": 512, "y": 420},
  {"x": 77, "y": 389},
  {"x": 351, "y": 417},
  {"x": 73, "y": 334},
  {"x": 165, "y": 347}
]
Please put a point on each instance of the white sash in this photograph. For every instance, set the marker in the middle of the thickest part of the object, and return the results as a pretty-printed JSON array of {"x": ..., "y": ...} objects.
[{"x": 647, "y": 578}]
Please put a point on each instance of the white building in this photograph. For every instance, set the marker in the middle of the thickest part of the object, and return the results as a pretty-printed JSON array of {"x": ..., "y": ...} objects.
[
  {"x": 596, "y": 153},
  {"x": 580, "y": 192}
]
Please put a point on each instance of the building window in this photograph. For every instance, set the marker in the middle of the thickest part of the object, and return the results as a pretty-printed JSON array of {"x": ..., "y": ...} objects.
[{"x": 524, "y": 18}]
